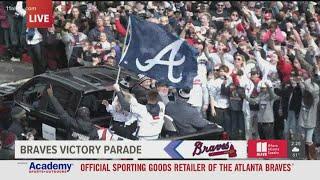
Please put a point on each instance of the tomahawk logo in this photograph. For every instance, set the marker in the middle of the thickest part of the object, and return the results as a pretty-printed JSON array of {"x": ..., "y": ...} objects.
[
  {"x": 158, "y": 54},
  {"x": 174, "y": 48},
  {"x": 262, "y": 148}
]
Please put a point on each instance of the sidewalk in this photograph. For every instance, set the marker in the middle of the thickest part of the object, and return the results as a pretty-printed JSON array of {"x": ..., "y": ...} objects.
[{"x": 14, "y": 71}]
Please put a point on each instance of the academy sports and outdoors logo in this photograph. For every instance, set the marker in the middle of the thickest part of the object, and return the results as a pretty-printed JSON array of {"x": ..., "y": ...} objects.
[
  {"x": 267, "y": 149},
  {"x": 51, "y": 167}
]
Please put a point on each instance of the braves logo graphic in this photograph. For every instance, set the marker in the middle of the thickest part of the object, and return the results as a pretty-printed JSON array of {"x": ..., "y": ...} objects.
[
  {"x": 215, "y": 150},
  {"x": 174, "y": 48}
]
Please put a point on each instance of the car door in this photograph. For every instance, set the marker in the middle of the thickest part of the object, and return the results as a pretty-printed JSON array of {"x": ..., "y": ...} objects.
[
  {"x": 32, "y": 97},
  {"x": 41, "y": 114},
  {"x": 98, "y": 114},
  {"x": 68, "y": 99}
]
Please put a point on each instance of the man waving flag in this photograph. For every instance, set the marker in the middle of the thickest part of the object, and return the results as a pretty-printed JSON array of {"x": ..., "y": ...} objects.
[{"x": 158, "y": 54}]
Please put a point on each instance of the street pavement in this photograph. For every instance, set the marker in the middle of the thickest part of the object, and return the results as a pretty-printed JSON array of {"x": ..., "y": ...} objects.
[{"x": 14, "y": 71}]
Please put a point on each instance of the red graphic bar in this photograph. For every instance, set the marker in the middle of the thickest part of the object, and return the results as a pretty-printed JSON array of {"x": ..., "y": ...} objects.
[
  {"x": 39, "y": 13},
  {"x": 267, "y": 149}
]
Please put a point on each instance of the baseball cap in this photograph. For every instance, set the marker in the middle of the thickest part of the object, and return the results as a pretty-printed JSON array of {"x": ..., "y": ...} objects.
[
  {"x": 258, "y": 5},
  {"x": 184, "y": 93},
  {"x": 161, "y": 84}
]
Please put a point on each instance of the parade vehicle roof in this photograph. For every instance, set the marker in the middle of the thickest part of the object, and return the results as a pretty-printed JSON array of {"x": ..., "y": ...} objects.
[{"x": 88, "y": 79}]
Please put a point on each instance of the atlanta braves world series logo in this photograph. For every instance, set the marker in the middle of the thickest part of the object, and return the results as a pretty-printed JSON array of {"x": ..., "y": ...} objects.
[{"x": 174, "y": 47}]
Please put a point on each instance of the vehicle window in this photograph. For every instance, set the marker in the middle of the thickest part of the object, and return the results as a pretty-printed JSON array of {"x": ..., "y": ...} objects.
[
  {"x": 33, "y": 93},
  {"x": 93, "y": 102},
  {"x": 65, "y": 98}
]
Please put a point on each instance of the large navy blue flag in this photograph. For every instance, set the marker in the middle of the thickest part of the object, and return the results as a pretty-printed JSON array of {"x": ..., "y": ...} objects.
[{"x": 158, "y": 54}]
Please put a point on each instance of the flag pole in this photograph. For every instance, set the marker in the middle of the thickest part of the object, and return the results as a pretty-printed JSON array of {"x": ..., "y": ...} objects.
[
  {"x": 119, "y": 70},
  {"x": 123, "y": 50}
]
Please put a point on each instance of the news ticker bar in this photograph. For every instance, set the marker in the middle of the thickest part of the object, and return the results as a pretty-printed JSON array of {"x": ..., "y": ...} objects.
[
  {"x": 141, "y": 169},
  {"x": 157, "y": 149}
]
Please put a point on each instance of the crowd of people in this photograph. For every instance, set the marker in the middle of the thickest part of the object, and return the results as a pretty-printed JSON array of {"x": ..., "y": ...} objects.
[{"x": 258, "y": 64}]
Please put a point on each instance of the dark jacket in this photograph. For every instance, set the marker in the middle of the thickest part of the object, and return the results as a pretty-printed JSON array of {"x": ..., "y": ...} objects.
[
  {"x": 10, "y": 7},
  {"x": 235, "y": 94},
  {"x": 16, "y": 128},
  {"x": 95, "y": 33},
  {"x": 187, "y": 118},
  {"x": 4, "y": 23},
  {"x": 49, "y": 39},
  {"x": 6, "y": 154},
  {"x": 291, "y": 99},
  {"x": 71, "y": 124},
  {"x": 140, "y": 93},
  {"x": 295, "y": 100}
]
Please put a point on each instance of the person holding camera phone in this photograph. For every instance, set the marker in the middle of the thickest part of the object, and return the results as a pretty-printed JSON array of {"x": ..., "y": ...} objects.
[
  {"x": 292, "y": 96},
  {"x": 308, "y": 113},
  {"x": 15, "y": 35},
  {"x": 265, "y": 117},
  {"x": 219, "y": 14},
  {"x": 219, "y": 103},
  {"x": 74, "y": 42},
  {"x": 236, "y": 95},
  {"x": 79, "y": 19},
  {"x": 94, "y": 33}
]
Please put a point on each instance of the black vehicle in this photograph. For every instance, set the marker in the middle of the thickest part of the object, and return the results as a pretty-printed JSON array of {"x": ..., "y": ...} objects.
[{"x": 75, "y": 87}]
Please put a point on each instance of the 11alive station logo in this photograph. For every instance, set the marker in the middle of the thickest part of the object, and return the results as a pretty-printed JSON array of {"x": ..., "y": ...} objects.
[
  {"x": 267, "y": 149},
  {"x": 51, "y": 167}
]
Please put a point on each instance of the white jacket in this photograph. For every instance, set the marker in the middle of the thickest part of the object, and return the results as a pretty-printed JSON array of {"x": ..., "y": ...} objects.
[
  {"x": 199, "y": 93},
  {"x": 148, "y": 125},
  {"x": 265, "y": 67}
]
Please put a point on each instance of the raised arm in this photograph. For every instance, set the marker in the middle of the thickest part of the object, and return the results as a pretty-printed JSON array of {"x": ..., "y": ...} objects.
[
  {"x": 206, "y": 53},
  {"x": 64, "y": 117},
  {"x": 303, "y": 62},
  {"x": 261, "y": 62},
  {"x": 124, "y": 104},
  {"x": 273, "y": 96}
]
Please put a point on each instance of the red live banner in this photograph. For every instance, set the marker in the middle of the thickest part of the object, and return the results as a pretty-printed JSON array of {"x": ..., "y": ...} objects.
[
  {"x": 39, "y": 13},
  {"x": 267, "y": 149}
]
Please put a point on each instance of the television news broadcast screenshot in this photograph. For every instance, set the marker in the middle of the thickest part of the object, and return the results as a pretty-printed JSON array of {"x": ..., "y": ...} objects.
[{"x": 177, "y": 89}]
